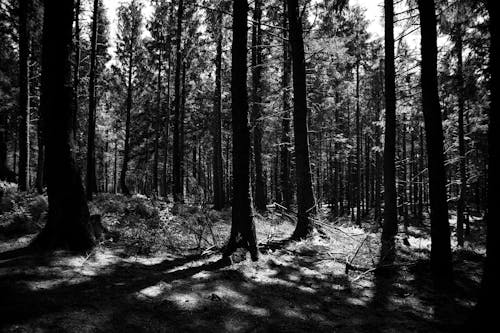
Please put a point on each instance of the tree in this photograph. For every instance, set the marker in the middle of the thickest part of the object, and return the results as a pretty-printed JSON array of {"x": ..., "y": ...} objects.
[
  {"x": 390, "y": 227},
  {"x": 91, "y": 177},
  {"x": 177, "y": 163},
  {"x": 260, "y": 192},
  {"x": 218, "y": 171},
  {"x": 242, "y": 224},
  {"x": 68, "y": 217},
  {"x": 24, "y": 99},
  {"x": 441, "y": 265},
  {"x": 128, "y": 50},
  {"x": 487, "y": 314},
  {"x": 285, "y": 182},
  {"x": 305, "y": 196}
]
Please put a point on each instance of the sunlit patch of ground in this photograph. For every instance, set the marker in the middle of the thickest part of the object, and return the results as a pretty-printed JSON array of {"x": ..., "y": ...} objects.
[{"x": 294, "y": 287}]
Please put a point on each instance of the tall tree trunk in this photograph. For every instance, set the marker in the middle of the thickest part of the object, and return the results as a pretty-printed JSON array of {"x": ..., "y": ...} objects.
[
  {"x": 441, "y": 265},
  {"x": 217, "y": 160},
  {"x": 390, "y": 226},
  {"x": 165, "y": 184},
  {"x": 24, "y": 99},
  {"x": 91, "y": 174},
  {"x": 76, "y": 68},
  {"x": 126, "y": 150},
  {"x": 461, "y": 136},
  {"x": 358, "y": 190},
  {"x": 260, "y": 193},
  {"x": 157, "y": 126},
  {"x": 178, "y": 191},
  {"x": 305, "y": 196},
  {"x": 285, "y": 182},
  {"x": 68, "y": 218},
  {"x": 242, "y": 224},
  {"x": 490, "y": 288}
]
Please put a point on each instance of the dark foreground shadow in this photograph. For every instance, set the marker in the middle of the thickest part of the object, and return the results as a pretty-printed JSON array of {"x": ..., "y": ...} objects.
[{"x": 187, "y": 294}]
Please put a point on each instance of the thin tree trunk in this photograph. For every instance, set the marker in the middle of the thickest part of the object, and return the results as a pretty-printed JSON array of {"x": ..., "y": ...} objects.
[
  {"x": 461, "y": 140},
  {"x": 390, "y": 226},
  {"x": 260, "y": 193},
  {"x": 157, "y": 126},
  {"x": 177, "y": 173},
  {"x": 305, "y": 196},
  {"x": 76, "y": 69},
  {"x": 91, "y": 173},
  {"x": 441, "y": 265},
  {"x": 487, "y": 313},
  {"x": 358, "y": 190},
  {"x": 217, "y": 161},
  {"x": 24, "y": 99},
  {"x": 242, "y": 224},
  {"x": 285, "y": 182},
  {"x": 126, "y": 150}
]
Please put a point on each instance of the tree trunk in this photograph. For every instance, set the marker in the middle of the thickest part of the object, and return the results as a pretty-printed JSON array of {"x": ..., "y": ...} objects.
[
  {"x": 5, "y": 172},
  {"x": 24, "y": 99},
  {"x": 76, "y": 69},
  {"x": 461, "y": 140},
  {"x": 441, "y": 265},
  {"x": 68, "y": 218},
  {"x": 305, "y": 196},
  {"x": 358, "y": 189},
  {"x": 242, "y": 224},
  {"x": 91, "y": 174},
  {"x": 157, "y": 127},
  {"x": 260, "y": 193},
  {"x": 217, "y": 160},
  {"x": 390, "y": 226},
  {"x": 490, "y": 288},
  {"x": 286, "y": 184},
  {"x": 176, "y": 172},
  {"x": 126, "y": 150}
]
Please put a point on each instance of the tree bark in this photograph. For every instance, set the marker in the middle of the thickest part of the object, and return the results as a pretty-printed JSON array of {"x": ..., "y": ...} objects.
[
  {"x": 177, "y": 175},
  {"x": 390, "y": 226},
  {"x": 126, "y": 150},
  {"x": 68, "y": 218},
  {"x": 461, "y": 135},
  {"x": 91, "y": 174},
  {"x": 24, "y": 99},
  {"x": 305, "y": 196},
  {"x": 217, "y": 160},
  {"x": 242, "y": 224},
  {"x": 441, "y": 265},
  {"x": 260, "y": 193},
  {"x": 76, "y": 69},
  {"x": 490, "y": 287},
  {"x": 286, "y": 184}
]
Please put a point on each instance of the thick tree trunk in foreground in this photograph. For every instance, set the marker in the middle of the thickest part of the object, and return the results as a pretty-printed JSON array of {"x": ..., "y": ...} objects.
[
  {"x": 24, "y": 99},
  {"x": 440, "y": 231},
  {"x": 260, "y": 192},
  {"x": 217, "y": 122},
  {"x": 91, "y": 175},
  {"x": 285, "y": 165},
  {"x": 488, "y": 300},
  {"x": 305, "y": 196},
  {"x": 242, "y": 224},
  {"x": 176, "y": 172},
  {"x": 68, "y": 219}
]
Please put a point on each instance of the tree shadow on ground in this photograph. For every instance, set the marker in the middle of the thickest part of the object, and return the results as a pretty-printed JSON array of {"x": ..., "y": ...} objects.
[{"x": 193, "y": 294}]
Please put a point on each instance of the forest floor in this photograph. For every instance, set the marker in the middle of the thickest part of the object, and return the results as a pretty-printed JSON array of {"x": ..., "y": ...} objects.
[{"x": 160, "y": 272}]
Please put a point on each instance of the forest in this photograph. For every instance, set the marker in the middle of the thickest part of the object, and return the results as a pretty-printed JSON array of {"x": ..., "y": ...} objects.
[{"x": 249, "y": 166}]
